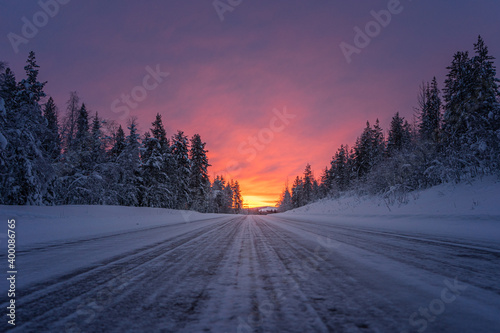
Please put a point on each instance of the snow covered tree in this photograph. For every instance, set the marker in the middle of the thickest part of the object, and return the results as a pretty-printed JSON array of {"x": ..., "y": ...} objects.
[
  {"x": 96, "y": 138},
  {"x": 52, "y": 140},
  {"x": 340, "y": 171},
  {"x": 157, "y": 167},
  {"x": 217, "y": 195},
  {"x": 126, "y": 172},
  {"x": 472, "y": 111},
  {"x": 228, "y": 196},
  {"x": 430, "y": 112},
  {"x": 285, "y": 201},
  {"x": 457, "y": 98},
  {"x": 9, "y": 89},
  {"x": 307, "y": 185},
  {"x": 119, "y": 144},
  {"x": 26, "y": 173},
  {"x": 237, "y": 199},
  {"x": 30, "y": 89},
  {"x": 81, "y": 148},
  {"x": 399, "y": 135},
  {"x": 199, "y": 182},
  {"x": 297, "y": 193},
  {"x": 69, "y": 123},
  {"x": 368, "y": 150},
  {"x": 484, "y": 114},
  {"x": 182, "y": 170}
]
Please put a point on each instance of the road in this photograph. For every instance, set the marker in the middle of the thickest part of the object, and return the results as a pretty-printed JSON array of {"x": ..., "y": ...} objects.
[{"x": 260, "y": 274}]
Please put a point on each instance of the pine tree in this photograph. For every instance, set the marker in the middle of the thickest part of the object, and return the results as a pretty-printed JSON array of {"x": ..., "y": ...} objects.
[
  {"x": 52, "y": 141},
  {"x": 70, "y": 121},
  {"x": 378, "y": 145},
  {"x": 285, "y": 202},
  {"x": 96, "y": 138},
  {"x": 228, "y": 196},
  {"x": 327, "y": 183},
  {"x": 199, "y": 182},
  {"x": 430, "y": 112},
  {"x": 26, "y": 173},
  {"x": 368, "y": 150},
  {"x": 119, "y": 144},
  {"x": 157, "y": 168},
  {"x": 82, "y": 144},
  {"x": 217, "y": 195},
  {"x": 340, "y": 168},
  {"x": 307, "y": 185},
  {"x": 399, "y": 135},
  {"x": 126, "y": 169},
  {"x": 237, "y": 199},
  {"x": 484, "y": 113},
  {"x": 9, "y": 89},
  {"x": 297, "y": 193},
  {"x": 182, "y": 173},
  {"x": 30, "y": 89},
  {"x": 457, "y": 98}
]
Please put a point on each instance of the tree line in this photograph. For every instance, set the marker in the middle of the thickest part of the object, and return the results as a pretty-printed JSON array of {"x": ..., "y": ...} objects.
[
  {"x": 84, "y": 159},
  {"x": 455, "y": 136}
]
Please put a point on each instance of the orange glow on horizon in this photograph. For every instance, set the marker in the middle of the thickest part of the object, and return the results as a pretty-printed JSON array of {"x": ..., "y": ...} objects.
[{"x": 252, "y": 201}]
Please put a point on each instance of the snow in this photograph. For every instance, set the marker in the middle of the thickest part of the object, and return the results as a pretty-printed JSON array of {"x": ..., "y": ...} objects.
[
  {"x": 347, "y": 265},
  {"x": 62, "y": 223},
  {"x": 459, "y": 210},
  {"x": 479, "y": 198}
]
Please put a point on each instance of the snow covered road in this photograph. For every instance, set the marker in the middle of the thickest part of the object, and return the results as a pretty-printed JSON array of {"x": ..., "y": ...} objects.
[{"x": 259, "y": 274}]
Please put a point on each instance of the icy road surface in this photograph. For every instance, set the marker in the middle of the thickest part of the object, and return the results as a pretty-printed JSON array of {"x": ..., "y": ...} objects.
[{"x": 259, "y": 274}]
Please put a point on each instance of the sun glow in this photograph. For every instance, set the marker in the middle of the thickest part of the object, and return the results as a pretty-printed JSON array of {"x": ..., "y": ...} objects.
[{"x": 254, "y": 201}]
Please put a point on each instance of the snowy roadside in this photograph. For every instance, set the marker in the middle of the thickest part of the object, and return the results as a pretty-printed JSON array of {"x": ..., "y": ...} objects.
[
  {"x": 466, "y": 211},
  {"x": 37, "y": 224}
]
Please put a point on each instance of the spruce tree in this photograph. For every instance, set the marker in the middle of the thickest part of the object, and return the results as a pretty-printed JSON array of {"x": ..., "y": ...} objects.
[
  {"x": 430, "y": 112},
  {"x": 52, "y": 140},
  {"x": 182, "y": 169},
  {"x": 484, "y": 110},
  {"x": 26, "y": 172},
  {"x": 30, "y": 89},
  {"x": 297, "y": 193},
  {"x": 399, "y": 135},
  {"x": 457, "y": 97},
  {"x": 157, "y": 168},
  {"x": 285, "y": 202},
  {"x": 199, "y": 182},
  {"x": 9, "y": 89},
  {"x": 237, "y": 199},
  {"x": 70, "y": 121},
  {"x": 307, "y": 185},
  {"x": 119, "y": 144}
]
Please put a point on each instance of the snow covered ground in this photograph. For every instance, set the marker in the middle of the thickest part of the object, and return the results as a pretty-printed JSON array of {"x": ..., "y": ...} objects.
[{"x": 344, "y": 266}]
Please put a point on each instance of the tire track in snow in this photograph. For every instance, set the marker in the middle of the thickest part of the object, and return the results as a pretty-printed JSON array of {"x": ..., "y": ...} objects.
[
  {"x": 46, "y": 303},
  {"x": 472, "y": 262}
]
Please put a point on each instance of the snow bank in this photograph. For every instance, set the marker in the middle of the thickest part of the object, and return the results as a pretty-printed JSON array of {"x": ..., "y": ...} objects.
[
  {"x": 52, "y": 223},
  {"x": 448, "y": 211},
  {"x": 480, "y": 198}
]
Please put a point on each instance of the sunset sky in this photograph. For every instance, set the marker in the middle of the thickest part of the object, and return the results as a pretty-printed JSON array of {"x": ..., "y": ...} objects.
[{"x": 265, "y": 83}]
